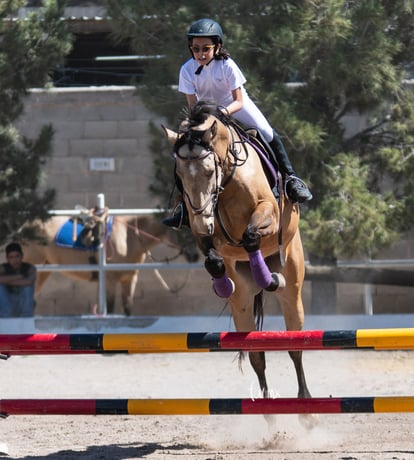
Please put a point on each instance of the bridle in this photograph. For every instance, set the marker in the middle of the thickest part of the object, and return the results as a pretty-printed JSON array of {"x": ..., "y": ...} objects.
[{"x": 232, "y": 158}]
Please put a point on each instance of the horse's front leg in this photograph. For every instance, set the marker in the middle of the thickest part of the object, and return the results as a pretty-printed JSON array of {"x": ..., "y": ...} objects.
[
  {"x": 261, "y": 224},
  {"x": 214, "y": 263},
  {"x": 263, "y": 277},
  {"x": 223, "y": 285}
]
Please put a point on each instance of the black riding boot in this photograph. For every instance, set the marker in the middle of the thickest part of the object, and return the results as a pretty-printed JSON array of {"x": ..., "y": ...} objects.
[
  {"x": 178, "y": 218},
  {"x": 295, "y": 189},
  {"x": 180, "y": 214}
]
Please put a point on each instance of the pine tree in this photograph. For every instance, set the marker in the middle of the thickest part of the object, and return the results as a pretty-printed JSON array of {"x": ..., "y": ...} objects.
[{"x": 29, "y": 47}]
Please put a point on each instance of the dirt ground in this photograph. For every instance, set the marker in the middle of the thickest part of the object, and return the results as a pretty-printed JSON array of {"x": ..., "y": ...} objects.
[{"x": 207, "y": 375}]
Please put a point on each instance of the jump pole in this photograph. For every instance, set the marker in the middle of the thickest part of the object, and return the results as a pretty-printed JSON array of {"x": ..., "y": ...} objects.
[
  {"x": 37, "y": 344},
  {"x": 206, "y": 406}
]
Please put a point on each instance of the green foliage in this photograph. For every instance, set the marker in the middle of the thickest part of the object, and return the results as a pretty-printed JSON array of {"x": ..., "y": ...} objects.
[
  {"x": 28, "y": 49},
  {"x": 329, "y": 75},
  {"x": 351, "y": 220}
]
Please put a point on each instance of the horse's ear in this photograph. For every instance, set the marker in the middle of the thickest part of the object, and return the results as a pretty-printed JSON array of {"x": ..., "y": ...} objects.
[
  {"x": 214, "y": 129},
  {"x": 210, "y": 133},
  {"x": 172, "y": 136}
]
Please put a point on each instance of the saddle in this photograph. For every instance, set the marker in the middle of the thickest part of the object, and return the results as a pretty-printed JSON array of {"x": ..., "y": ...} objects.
[
  {"x": 255, "y": 138},
  {"x": 72, "y": 233}
]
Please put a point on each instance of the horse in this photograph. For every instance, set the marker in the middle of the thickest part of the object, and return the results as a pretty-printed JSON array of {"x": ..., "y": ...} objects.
[
  {"x": 130, "y": 240},
  {"x": 250, "y": 240}
]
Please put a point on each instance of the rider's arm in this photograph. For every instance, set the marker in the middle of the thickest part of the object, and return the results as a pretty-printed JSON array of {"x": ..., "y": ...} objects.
[
  {"x": 191, "y": 100},
  {"x": 237, "y": 103}
]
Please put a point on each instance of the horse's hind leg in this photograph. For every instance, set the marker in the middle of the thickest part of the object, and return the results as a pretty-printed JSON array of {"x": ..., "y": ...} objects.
[
  {"x": 128, "y": 285},
  {"x": 258, "y": 362},
  {"x": 242, "y": 302},
  {"x": 303, "y": 391},
  {"x": 293, "y": 315}
]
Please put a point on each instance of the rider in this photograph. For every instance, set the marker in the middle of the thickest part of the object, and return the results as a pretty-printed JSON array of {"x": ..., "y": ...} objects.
[{"x": 212, "y": 75}]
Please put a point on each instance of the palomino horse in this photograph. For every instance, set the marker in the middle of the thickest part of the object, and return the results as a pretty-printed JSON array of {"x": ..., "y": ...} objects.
[
  {"x": 239, "y": 226},
  {"x": 130, "y": 240}
]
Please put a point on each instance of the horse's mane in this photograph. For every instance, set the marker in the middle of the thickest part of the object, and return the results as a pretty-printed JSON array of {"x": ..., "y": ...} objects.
[{"x": 202, "y": 110}]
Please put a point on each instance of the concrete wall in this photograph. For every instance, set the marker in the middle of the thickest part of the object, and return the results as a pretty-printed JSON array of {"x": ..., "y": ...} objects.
[
  {"x": 112, "y": 123},
  {"x": 109, "y": 123}
]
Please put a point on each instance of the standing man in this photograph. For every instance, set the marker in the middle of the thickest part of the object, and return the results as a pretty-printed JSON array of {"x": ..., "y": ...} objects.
[{"x": 17, "y": 284}]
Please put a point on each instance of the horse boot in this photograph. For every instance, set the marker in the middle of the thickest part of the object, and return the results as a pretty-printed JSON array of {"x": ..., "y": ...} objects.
[
  {"x": 179, "y": 217},
  {"x": 295, "y": 188}
]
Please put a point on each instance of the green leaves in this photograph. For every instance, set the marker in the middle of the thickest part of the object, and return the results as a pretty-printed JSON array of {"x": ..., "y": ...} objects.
[
  {"x": 28, "y": 50},
  {"x": 350, "y": 221}
]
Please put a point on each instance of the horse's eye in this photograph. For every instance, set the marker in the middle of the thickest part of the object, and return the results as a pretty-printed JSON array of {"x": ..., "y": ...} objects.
[{"x": 209, "y": 172}]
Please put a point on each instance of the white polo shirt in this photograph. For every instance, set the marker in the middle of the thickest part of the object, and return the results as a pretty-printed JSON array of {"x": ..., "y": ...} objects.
[{"x": 215, "y": 83}]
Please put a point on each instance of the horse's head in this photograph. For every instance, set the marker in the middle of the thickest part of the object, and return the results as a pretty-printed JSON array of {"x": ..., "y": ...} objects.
[{"x": 200, "y": 149}]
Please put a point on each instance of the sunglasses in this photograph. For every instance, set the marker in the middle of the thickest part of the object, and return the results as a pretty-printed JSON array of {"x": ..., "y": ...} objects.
[{"x": 203, "y": 49}]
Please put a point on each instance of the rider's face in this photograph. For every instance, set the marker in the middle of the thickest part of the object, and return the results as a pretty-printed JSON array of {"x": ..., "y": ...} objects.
[{"x": 203, "y": 49}]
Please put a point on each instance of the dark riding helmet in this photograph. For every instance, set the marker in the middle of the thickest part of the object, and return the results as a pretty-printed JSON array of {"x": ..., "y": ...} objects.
[{"x": 205, "y": 28}]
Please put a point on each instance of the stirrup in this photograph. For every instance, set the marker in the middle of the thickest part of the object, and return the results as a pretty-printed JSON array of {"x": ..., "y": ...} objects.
[
  {"x": 176, "y": 220},
  {"x": 299, "y": 195}
]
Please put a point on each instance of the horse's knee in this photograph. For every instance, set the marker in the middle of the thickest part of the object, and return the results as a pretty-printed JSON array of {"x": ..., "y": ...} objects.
[
  {"x": 251, "y": 239},
  {"x": 214, "y": 264}
]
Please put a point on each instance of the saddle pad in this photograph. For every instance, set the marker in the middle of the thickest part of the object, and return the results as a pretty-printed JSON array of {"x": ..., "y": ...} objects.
[
  {"x": 270, "y": 172},
  {"x": 64, "y": 239}
]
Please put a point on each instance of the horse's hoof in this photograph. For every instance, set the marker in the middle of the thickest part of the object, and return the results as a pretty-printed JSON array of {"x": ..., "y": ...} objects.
[{"x": 278, "y": 282}]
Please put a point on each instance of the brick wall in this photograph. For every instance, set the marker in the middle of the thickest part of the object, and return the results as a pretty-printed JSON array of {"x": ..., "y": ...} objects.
[{"x": 94, "y": 123}]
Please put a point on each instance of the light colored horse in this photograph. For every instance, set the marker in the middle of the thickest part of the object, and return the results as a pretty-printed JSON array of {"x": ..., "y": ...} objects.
[
  {"x": 239, "y": 225},
  {"x": 131, "y": 239}
]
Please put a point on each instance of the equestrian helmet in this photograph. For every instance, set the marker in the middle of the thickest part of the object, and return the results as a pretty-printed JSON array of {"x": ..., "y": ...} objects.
[{"x": 205, "y": 28}]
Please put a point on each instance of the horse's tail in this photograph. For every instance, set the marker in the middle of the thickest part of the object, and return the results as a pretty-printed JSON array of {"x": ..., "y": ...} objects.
[{"x": 258, "y": 310}]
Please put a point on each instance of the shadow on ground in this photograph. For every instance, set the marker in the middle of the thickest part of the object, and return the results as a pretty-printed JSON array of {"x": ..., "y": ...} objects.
[{"x": 113, "y": 452}]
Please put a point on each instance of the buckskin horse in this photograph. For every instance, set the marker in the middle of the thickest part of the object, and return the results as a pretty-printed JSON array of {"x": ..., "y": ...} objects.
[
  {"x": 129, "y": 241},
  {"x": 250, "y": 240}
]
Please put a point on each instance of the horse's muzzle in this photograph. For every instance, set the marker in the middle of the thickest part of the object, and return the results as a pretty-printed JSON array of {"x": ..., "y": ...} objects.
[{"x": 203, "y": 225}]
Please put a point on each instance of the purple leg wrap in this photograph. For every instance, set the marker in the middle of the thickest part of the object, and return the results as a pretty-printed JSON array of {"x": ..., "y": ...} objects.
[
  {"x": 223, "y": 287},
  {"x": 260, "y": 271}
]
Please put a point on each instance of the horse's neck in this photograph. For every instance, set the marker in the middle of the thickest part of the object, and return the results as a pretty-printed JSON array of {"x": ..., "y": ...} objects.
[{"x": 147, "y": 227}]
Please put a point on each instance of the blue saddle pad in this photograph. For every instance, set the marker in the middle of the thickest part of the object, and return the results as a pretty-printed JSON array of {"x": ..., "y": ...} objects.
[{"x": 64, "y": 235}]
